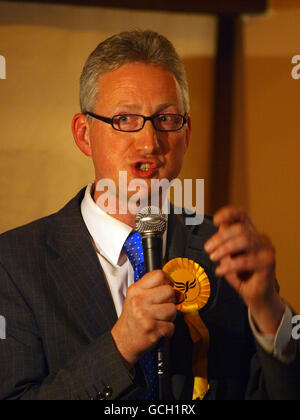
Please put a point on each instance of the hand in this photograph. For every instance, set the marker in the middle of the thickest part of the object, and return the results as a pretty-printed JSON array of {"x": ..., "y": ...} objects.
[
  {"x": 247, "y": 261},
  {"x": 148, "y": 314}
]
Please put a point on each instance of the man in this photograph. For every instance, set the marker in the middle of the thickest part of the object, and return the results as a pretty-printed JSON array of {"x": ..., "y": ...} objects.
[{"x": 78, "y": 326}]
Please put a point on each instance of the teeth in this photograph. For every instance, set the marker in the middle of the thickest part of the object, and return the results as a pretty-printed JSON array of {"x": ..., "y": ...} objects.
[{"x": 145, "y": 166}]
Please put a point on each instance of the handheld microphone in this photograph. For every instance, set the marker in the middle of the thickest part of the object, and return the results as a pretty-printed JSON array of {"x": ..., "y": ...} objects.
[{"x": 151, "y": 223}]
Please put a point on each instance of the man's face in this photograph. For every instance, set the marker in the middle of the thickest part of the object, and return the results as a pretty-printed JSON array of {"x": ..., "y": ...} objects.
[{"x": 144, "y": 89}]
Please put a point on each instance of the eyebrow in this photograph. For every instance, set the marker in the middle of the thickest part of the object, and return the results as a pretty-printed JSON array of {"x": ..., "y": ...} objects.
[
  {"x": 127, "y": 105},
  {"x": 136, "y": 108}
]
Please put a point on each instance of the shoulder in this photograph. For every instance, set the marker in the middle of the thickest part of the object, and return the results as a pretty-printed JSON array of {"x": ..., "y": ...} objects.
[
  {"x": 24, "y": 235},
  {"x": 31, "y": 237},
  {"x": 195, "y": 224},
  {"x": 206, "y": 228}
]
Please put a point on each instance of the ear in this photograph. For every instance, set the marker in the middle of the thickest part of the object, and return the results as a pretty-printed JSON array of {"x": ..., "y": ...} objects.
[{"x": 81, "y": 133}]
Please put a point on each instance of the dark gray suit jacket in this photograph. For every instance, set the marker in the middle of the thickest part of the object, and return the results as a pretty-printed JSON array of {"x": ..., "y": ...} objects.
[{"x": 59, "y": 314}]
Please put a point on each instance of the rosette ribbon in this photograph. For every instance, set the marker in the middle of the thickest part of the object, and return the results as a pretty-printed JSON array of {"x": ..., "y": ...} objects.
[{"x": 190, "y": 278}]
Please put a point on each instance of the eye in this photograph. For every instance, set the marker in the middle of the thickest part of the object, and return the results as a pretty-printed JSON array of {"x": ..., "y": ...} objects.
[
  {"x": 124, "y": 118},
  {"x": 127, "y": 122},
  {"x": 164, "y": 117}
]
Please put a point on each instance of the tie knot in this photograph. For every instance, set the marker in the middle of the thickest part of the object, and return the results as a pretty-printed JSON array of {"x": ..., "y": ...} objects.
[{"x": 134, "y": 249}]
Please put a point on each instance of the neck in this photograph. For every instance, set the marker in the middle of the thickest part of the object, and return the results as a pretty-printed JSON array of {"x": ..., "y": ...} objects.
[
  {"x": 114, "y": 211},
  {"x": 120, "y": 209}
]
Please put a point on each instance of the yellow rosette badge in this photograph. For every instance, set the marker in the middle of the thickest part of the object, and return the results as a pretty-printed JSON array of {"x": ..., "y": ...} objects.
[{"x": 190, "y": 279}]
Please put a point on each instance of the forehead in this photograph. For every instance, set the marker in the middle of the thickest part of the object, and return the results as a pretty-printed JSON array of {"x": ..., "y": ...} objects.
[{"x": 138, "y": 83}]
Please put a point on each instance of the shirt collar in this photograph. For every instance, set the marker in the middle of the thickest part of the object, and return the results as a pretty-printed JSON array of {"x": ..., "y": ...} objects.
[{"x": 108, "y": 233}]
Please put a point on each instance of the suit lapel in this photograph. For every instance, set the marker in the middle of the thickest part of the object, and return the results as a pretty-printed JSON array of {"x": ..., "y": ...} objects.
[
  {"x": 75, "y": 269},
  {"x": 178, "y": 236},
  {"x": 178, "y": 350}
]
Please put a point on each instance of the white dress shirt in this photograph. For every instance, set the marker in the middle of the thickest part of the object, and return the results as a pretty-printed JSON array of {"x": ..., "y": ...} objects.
[{"x": 109, "y": 234}]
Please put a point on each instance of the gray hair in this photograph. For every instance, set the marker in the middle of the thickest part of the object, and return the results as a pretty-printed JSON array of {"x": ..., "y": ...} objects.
[{"x": 138, "y": 45}]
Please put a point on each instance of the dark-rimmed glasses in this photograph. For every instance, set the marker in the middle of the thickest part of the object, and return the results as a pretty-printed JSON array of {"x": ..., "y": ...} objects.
[{"x": 136, "y": 122}]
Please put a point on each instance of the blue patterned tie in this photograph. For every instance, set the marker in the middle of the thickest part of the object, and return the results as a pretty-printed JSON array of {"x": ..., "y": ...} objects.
[{"x": 134, "y": 250}]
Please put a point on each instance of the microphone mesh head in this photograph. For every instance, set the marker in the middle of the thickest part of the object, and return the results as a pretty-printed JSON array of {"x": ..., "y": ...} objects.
[{"x": 150, "y": 220}]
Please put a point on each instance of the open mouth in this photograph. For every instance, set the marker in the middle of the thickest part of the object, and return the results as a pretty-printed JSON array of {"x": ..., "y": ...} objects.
[
  {"x": 142, "y": 166},
  {"x": 144, "y": 169}
]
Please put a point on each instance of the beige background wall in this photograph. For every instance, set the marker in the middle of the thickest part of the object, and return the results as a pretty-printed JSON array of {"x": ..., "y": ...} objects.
[
  {"x": 45, "y": 47},
  {"x": 266, "y": 170}
]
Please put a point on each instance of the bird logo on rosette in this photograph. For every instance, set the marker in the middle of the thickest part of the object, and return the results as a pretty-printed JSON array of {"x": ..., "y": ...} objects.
[
  {"x": 186, "y": 289},
  {"x": 189, "y": 278}
]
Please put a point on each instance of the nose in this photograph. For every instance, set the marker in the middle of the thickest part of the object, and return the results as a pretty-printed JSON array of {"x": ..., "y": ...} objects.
[{"x": 147, "y": 139}]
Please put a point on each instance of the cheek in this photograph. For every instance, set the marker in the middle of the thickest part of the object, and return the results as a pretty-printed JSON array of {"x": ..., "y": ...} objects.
[
  {"x": 108, "y": 154},
  {"x": 105, "y": 161},
  {"x": 176, "y": 155},
  {"x": 100, "y": 144},
  {"x": 102, "y": 156}
]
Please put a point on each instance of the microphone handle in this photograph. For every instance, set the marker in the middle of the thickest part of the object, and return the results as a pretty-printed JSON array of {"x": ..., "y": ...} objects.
[{"x": 152, "y": 249}]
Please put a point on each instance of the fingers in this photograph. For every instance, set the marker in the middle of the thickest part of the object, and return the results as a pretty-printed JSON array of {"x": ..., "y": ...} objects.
[
  {"x": 158, "y": 287},
  {"x": 237, "y": 246},
  {"x": 154, "y": 279},
  {"x": 156, "y": 296},
  {"x": 229, "y": 215},
  {"x": 162, "y": 312},
  {"x": 236, "y": 232},
  {"x": 248, "y": 262},
  {"x": 148, "y": 314}
]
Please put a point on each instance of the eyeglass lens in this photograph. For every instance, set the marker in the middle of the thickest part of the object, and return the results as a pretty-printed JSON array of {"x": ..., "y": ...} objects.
[{"x": 132, "y": 122}]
